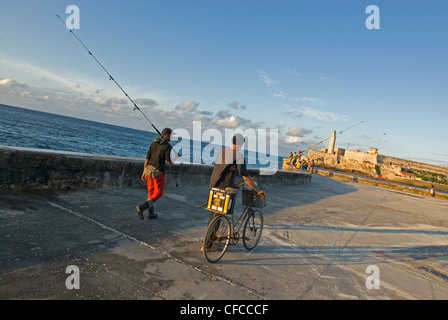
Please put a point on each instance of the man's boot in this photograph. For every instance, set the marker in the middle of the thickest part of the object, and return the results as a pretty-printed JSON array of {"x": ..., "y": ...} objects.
[
  {"x": 151, "y": 215},
  {"x": 142, "y": 208}
]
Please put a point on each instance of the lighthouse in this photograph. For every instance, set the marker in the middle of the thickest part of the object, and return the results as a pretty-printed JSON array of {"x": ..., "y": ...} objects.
[{"x": 332, "y": 142}]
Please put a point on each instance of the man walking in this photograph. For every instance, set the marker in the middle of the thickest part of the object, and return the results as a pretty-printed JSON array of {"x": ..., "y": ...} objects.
[{"x": 154, "y": 172}]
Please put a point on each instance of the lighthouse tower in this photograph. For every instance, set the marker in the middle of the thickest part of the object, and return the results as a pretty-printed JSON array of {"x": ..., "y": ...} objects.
[{"x": 332, "y": 142}]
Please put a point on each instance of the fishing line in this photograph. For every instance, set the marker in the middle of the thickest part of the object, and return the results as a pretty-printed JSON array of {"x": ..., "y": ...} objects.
[{"x": 112, "y": 78}]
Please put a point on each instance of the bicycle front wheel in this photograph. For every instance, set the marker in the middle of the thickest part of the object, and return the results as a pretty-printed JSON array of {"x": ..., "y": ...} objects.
[
  {"x": 252, "y": 229},
  {"x": 216, "y": 239}
]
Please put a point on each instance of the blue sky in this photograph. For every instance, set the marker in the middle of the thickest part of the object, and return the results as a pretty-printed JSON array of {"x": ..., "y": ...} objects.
[{"x": 305, "y": 68}]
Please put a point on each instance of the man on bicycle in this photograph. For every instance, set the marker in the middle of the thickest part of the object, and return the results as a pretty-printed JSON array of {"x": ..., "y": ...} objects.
[{"x": 228, "y": 163}]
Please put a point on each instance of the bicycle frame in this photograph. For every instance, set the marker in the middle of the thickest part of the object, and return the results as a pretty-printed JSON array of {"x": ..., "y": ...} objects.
[{"x": 240, "y": 220}]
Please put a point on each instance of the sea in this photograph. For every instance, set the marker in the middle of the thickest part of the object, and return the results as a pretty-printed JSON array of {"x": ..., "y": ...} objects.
[{"x": 20, "y": 127}]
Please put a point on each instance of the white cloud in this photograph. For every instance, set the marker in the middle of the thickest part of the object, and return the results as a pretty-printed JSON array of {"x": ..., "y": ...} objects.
[
  {"x": 12, "y": 84},
  {"x": 229, "y": 122},
  {"x": 297, "y": 131},
  {"x": 311, "y": 100},
  {"x": 266, "y": 78},
  {"x": 290, "y": 71},
  {"x": 315, "y": 114},
  {"x": 294, "y": 140},
  {"x": 322, "y": 115},
  {"x": 280, "y": 94},
  {"x": 189, "y": 105}
]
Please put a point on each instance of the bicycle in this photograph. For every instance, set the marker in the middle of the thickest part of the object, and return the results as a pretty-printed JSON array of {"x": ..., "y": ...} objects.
[{"x": 223, "y": 230}]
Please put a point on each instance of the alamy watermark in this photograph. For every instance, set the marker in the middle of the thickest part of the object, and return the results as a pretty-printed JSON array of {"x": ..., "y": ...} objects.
[
  {"x": 72, "y": 281},
  {"x": 73, "y": 20},
  {"x": 206, "y": 144},
  {"x": 373, "y": 281},
  {"x": 373, "y": 20}
]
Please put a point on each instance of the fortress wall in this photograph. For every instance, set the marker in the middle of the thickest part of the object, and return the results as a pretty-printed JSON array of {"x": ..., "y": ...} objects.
[
  {"x": 387, "y": 161},
  {"x": 327, "y": 158},
  {"x": 360, "y": 156},
  {"x": 31, "y": 169}
]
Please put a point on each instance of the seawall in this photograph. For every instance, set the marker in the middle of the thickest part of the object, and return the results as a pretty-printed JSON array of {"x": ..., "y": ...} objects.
[
  {"x": 34, "y": 169},
  {"x": 369, "y": 181}
]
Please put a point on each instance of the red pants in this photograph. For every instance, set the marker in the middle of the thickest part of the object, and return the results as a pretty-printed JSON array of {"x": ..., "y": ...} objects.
[{"x": 156, "y": 186}]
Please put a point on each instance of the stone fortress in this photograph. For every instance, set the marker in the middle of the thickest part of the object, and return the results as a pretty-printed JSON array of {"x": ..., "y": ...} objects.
[{"x": 372, "y": 164}]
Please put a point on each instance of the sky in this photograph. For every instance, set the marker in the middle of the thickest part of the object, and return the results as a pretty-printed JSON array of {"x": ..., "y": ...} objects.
[{"x": 303, "y": 68}]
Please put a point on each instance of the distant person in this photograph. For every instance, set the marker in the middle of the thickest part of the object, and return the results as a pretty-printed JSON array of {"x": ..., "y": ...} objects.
[
  {"x": 157, "y": 157},
  {"x": 311, "y": 166},
  {"x": 432, "y": 192},
  {"x": 304, "y": 165},
  {"x": 294, "y": 159},
  {"x": 291, "y": 158}
]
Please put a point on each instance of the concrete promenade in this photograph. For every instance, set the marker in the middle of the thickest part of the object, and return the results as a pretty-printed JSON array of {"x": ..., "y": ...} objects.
[{"x": 318, "y": 240}]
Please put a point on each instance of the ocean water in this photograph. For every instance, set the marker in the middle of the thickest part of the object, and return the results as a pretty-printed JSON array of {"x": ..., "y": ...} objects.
[{"x": 34, "y": 129}]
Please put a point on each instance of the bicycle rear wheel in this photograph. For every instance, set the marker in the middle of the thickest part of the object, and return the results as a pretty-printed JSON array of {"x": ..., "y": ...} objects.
[
  {"x": 216, "y": 239},
  {"x": 252, "y": 229}
]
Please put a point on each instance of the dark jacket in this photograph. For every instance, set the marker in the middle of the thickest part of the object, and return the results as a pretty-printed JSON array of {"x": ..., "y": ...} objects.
[{"x": 159, "y": 153}]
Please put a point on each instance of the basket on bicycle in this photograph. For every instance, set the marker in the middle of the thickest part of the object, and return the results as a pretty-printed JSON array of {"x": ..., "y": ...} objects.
[
  {"x": 221, "y": 200},
  {"x": 250, "y": 197}
]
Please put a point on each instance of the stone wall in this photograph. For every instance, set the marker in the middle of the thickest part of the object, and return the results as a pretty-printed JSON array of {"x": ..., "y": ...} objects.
[
  {"x": 352, "y": 155},
  {"x": 325, "y": 159},
  {"x": 391, "y": 161},
  {"x": 29, "y": 169},
  {"x": 370, "y": 163}
]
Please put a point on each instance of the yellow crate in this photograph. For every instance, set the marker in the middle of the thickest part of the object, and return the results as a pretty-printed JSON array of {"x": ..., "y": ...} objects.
[{"x": 221, "y": 201}]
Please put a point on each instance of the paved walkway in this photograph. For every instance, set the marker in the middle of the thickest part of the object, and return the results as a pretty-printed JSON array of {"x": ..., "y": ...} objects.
[{"x": 318, "y": 241}]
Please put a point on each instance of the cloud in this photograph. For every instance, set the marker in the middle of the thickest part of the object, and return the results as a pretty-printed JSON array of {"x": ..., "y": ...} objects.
[
  {"x": 322, "y": 115},
  {"x": 223, "y": 113},
  {"x": 40, "y": 73},
  {"x": 189, "y": 105},
  {"x": 206, "y": 113},
  {"x": 294, "y": 140},
  {"x": 13, "y": 84},
  {"x": 236, "y": 105},
  {"x": 296, "y": 135},
  {"x": 110, "y": 102},
  {"x": 146, "y": 102},
  {"x": 316, "y": 114},
  {"x": 311, "y": 100},
  {"x": 266, "y": 78},
  {"x": 280, "y": 94},
  {"x": 229, "y": 122},
  {"x": 232, "y": 121},
  {"x": 297, "y": 131},
  {"x": 97, "y": 106},
  {"x": 290, "y": 71}
]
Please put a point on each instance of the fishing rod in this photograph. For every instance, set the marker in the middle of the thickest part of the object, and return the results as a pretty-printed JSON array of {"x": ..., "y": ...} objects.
[
  {"x": 290, "y": 157},
  {"x": 112, "y": 78}
]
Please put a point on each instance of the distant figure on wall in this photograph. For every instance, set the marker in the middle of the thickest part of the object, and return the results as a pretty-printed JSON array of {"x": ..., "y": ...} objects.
[{"x": 432, "y": 192}]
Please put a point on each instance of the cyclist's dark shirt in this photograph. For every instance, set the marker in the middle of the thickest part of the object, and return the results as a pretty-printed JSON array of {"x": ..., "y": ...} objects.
[{"x": 228, "y": 163}]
